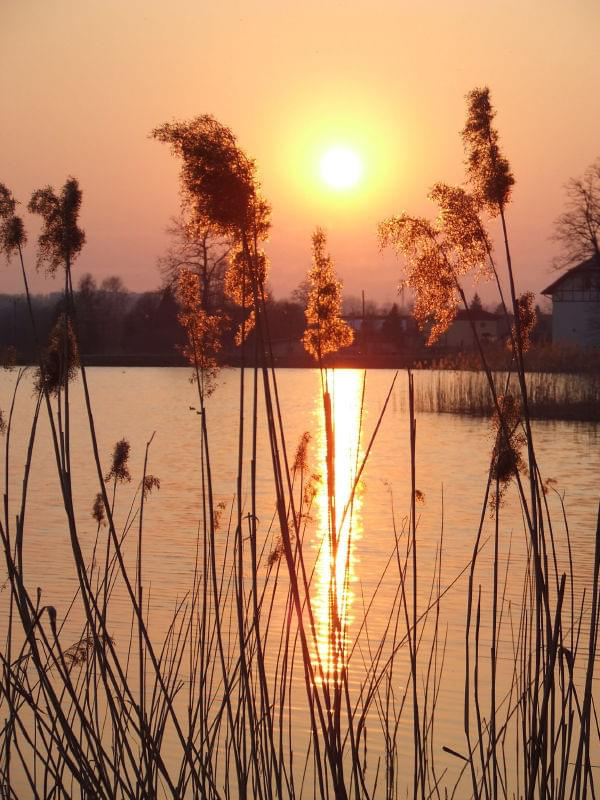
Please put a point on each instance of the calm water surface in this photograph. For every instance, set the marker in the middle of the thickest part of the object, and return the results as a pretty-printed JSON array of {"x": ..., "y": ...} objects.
[{"x": 452, "y": 464}]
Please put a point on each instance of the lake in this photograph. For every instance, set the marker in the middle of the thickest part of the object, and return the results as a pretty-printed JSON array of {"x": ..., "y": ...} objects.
[{"x": 452, "y": 463}]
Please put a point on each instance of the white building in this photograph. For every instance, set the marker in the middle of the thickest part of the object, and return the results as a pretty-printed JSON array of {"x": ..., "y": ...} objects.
[
  {"x": 489, "y": 328},
  {"x": 576, "y": 305}
]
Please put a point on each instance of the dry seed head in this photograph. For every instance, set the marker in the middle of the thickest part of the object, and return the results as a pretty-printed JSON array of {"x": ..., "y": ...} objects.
[
  {"x": 98, "y": 509},
  {"x": 275, "y": 555},
  {"x": 150, "y": 482},
  {"x": 61, "y": 239},
  {"x": 120, "y": 469},
  {"x": 7, "y": 202},
  {"x": 219, "y": 182},
  {"x": 203, "y": 330},
  {"x": 60, "y": 358},
  {"x": 488, "y": 170},
  {"x": 218, "y": 513},
  {"x": 12, "y": 230},
  {"x": 326, "y": 332},
  {"x": 507, "y": 460},
  {"x": 80, "y": 652},
  {"x": 462, "y": 228},
  {"x": 436, "y": 255},
  {"x": 300, "y": 461},
  {"x": 429, "y": 271},
  {"x": 527, "y": 319},
  {"x": 311, "y": 488}
]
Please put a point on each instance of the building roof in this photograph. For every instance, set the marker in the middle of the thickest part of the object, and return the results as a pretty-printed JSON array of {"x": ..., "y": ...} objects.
[
  {"x": 477, "y": 315},
  {"x": 592, "y": 264}
]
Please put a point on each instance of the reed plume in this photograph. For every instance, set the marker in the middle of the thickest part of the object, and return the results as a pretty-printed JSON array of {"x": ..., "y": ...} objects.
[
  {"x": 326, "y": 332},
  {"x": 12, "y": 230}
]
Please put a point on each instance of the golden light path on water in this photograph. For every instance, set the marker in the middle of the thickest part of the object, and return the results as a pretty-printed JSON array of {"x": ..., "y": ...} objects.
[{"x": 336, "y": 573}]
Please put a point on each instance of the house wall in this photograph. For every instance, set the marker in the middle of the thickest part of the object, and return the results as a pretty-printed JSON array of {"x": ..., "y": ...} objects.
[
  {"x": 460, "y": 333},
  {"x": 576, "y": 322}
]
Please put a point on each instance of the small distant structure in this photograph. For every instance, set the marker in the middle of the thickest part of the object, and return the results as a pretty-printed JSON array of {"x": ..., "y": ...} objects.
[
  {"x": 358, "y": 323},
  {"x": 459, "y": 336},
  {"x": 576, "y": 305}
]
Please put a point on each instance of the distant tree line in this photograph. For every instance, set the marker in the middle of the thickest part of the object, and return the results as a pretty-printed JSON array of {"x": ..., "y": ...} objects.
[
  {"x": 111, "y": 321},
  {"x": 114, "y": 323}
]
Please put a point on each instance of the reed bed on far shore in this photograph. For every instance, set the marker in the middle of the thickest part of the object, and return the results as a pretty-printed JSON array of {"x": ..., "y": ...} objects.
[
  {"x": 556, "y": 357},
  {"x": 551, "y": 396}
]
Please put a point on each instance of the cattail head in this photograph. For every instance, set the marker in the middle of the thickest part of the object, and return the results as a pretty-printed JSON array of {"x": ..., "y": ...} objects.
[
  {"x": 12, "y": 230},
  {"x": 488, "y": 170},
  {"x": 119, "y": 469}
]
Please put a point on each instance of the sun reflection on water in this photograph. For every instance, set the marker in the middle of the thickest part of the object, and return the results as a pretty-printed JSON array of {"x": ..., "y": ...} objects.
[{"x": 337, "y": 559}]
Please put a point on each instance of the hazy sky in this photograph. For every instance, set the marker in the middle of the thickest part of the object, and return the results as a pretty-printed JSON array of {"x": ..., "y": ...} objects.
[{"x": 83, "y": 82}]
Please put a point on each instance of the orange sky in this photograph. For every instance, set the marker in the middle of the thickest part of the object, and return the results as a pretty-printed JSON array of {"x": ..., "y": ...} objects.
[{"x": 84, "y": 81}]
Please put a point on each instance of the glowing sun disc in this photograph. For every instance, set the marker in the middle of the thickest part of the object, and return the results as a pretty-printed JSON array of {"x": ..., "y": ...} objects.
[{"x": 341, "y": 168}]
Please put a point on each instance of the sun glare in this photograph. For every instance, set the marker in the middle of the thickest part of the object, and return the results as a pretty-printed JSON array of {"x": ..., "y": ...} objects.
[{"x": 341, "y": 167}]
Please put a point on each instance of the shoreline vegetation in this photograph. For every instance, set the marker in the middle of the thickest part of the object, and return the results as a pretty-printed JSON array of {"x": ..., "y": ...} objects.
[
  {"x": 454, "y": 384},
  {"x": 198, "y": 711},
  {"x": 549, "y": 359},
  {"x": 553, "y": 396}
]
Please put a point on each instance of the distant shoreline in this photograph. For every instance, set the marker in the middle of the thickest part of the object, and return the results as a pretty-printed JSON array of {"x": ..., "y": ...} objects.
[
  {"x": 541, "y": 362},
  {"x": 286, "y": 362}
]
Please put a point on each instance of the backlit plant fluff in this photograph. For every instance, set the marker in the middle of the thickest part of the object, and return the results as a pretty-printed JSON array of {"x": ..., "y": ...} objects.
[
  {"x": 219, "y": 181},
  {"x": 203, "y": 330},
  {"x": 488, "y": 170},
  {"x": 220, "y": 191},
  {"x": 244, "y": 282},
  {"x": 326, "y": 332},
  {"x": 436, "y": 254}
]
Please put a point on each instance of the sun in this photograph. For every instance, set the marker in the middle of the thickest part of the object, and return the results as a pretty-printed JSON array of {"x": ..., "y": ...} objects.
[{"x": 341, "y": 167}]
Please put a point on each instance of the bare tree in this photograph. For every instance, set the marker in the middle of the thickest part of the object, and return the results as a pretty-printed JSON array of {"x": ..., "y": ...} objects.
[
  {"x": 578, "y": 228},
  {"x": 197, "y": 248},
  {"x": 301, "y": 293}
]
